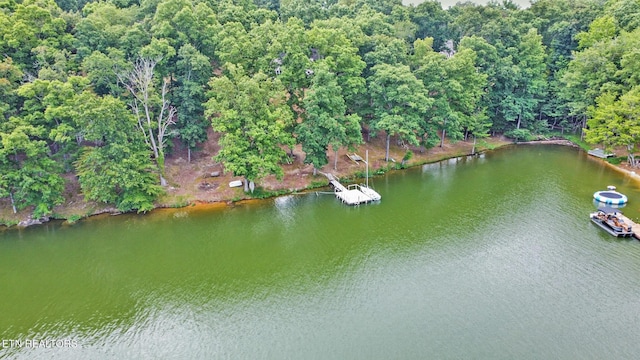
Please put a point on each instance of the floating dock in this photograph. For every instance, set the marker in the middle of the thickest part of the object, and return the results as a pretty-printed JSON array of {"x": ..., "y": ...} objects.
[{"x": 354, "y": 194}]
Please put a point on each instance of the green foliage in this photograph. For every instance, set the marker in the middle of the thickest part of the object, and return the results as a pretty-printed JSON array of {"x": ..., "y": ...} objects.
[
  {"x": 36, "y": 37},
  {"x": 194, "y": 70},
  {"x": 313, "y": 68},
  {"x": 104, "y": 26},
  {"x": 114, "y": 167},
  {"x": 317, "y": 183},
  {"x": 100, "y": 69},
  {"x": 8, "y": 222},
  {"x": 251, "y": 113},
  {"x": 407, "y": 156},
  {"x": 614, "y": 122},
  {"x": 72, "y": 219},
  {"x": 601, "y": 29},
  {"x": 609, "y": 65},
  {"x": 261, "y": 193},
  {"x": 574, "y": 138},
  {"x": 616, "y": 160},
  {"x": 519, "y": 135},
  {"x": 341, "y": 57},
  {"x": 325, "y": 122},
  {"x": 626, "y": 13},
  {"x": 10, "y": 76},
  {"x": 457, "y": 86},
  {"x": 29, "y": 176},
  {"x": 400, "y": 102},
  {"x": 306, "y": 10},
  {"x": 432, "y": 21}
]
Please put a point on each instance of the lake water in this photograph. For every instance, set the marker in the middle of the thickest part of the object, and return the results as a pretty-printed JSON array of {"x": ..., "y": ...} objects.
[{"x": 489, "y": 257}]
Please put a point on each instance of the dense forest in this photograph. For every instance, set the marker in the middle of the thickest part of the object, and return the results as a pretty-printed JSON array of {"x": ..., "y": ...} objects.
[{"x": 101, "y": 90}]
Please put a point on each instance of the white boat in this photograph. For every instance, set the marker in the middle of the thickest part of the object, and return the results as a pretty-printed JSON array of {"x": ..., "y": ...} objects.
[{"x": 235, "y": 183}]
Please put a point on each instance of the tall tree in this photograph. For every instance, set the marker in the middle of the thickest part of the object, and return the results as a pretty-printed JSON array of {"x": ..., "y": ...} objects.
[
  {"x": 251, "y": 113},
  {"x": 105, "y": 25},
  {"x": 325, "y": 122},
  {"x": 524, "y": 81},
  {"x": 100, "y": 69},
  {"x": 29, "y": 176},
  {"x": 48, "y": 104},
  {"x": 399, "y": 101},
  {"x": 306, "y": 10},
  {"x": 608, "y": 65},
  {"x": 341, "y": 56},
  {"x": 10, "y": 76},
  {"x": 193, "y": 71},
  {"x": 29, "y": 28},
  {"x": 457, "y": 85},
  {"x": 152, "y": 110},
  {"x": 614, "y": 122},
  {"x": 432, "y": 21},
  {"x": 114, "y": 165}
]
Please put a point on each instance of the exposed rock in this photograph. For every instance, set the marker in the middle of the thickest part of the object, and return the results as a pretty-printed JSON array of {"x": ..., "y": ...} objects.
[{"x": 29, "y": 222}]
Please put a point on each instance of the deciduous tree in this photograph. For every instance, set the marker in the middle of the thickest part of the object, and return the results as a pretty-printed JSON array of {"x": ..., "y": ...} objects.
[
  {"x": 325, "y": 122},
  {"x": 114, "y": 165},
  {"x": 153, "y": 111},
  {"x": 193, "y": 71},
  {"x": 251, "y": 114},
  {"x": 614, "y": 122},
  {"x": 399, "y": 101},
  {"x": 29, "y": 176}
]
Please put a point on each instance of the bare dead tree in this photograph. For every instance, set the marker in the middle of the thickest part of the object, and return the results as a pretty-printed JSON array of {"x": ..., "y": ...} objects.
[{"x": 139, "y": 82}]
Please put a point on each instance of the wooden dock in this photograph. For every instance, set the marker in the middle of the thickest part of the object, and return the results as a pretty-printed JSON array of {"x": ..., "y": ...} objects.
[
  {"x": 354, "y": 194},
  {"x": 600, "y": 153},
  {"x": 634, "y": 227}
]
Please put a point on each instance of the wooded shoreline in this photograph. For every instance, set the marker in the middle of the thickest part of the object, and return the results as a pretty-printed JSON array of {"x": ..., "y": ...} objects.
[
  {"x": 308, "y": 184},
  {"x": 109, "y": 107}
]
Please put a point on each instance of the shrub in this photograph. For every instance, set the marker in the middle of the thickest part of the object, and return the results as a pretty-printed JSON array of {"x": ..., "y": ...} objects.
[
  {"x": 617, "y": 160},
  {"x": 519, "y": 134}
]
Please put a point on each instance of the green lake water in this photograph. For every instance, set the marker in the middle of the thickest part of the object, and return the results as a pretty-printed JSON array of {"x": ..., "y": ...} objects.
[{"x": 489, "y": 257}]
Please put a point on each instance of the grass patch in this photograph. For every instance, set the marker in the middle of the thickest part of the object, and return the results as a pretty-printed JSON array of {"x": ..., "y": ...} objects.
[
  {"x": 261, "y": 193},
  {"x": 74, "y": 218},
  {"x": 384, "y": 169},
  {"x": 617, "y": 160},
  {"x": 317, "y": 184},
  {"x": 8, "y": 223},
  {"x": 482, "y": 144},
  {"x": 574, "y": 138},
  {"x": 180, "y": 202}
]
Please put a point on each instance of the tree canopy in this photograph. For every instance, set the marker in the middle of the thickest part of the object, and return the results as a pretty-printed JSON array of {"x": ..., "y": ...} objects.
[
  {"x": 252, "y": 114},
  {"x": 103, "y": 90}
]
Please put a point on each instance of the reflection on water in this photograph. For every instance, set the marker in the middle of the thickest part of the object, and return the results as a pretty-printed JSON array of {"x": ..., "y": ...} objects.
[{"x": 490, "y": 256}]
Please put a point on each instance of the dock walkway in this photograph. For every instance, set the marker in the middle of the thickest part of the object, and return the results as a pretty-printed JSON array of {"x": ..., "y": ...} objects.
[
  {"x": 597, "y": 152},
  {"x": 353, "y": 194}
]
